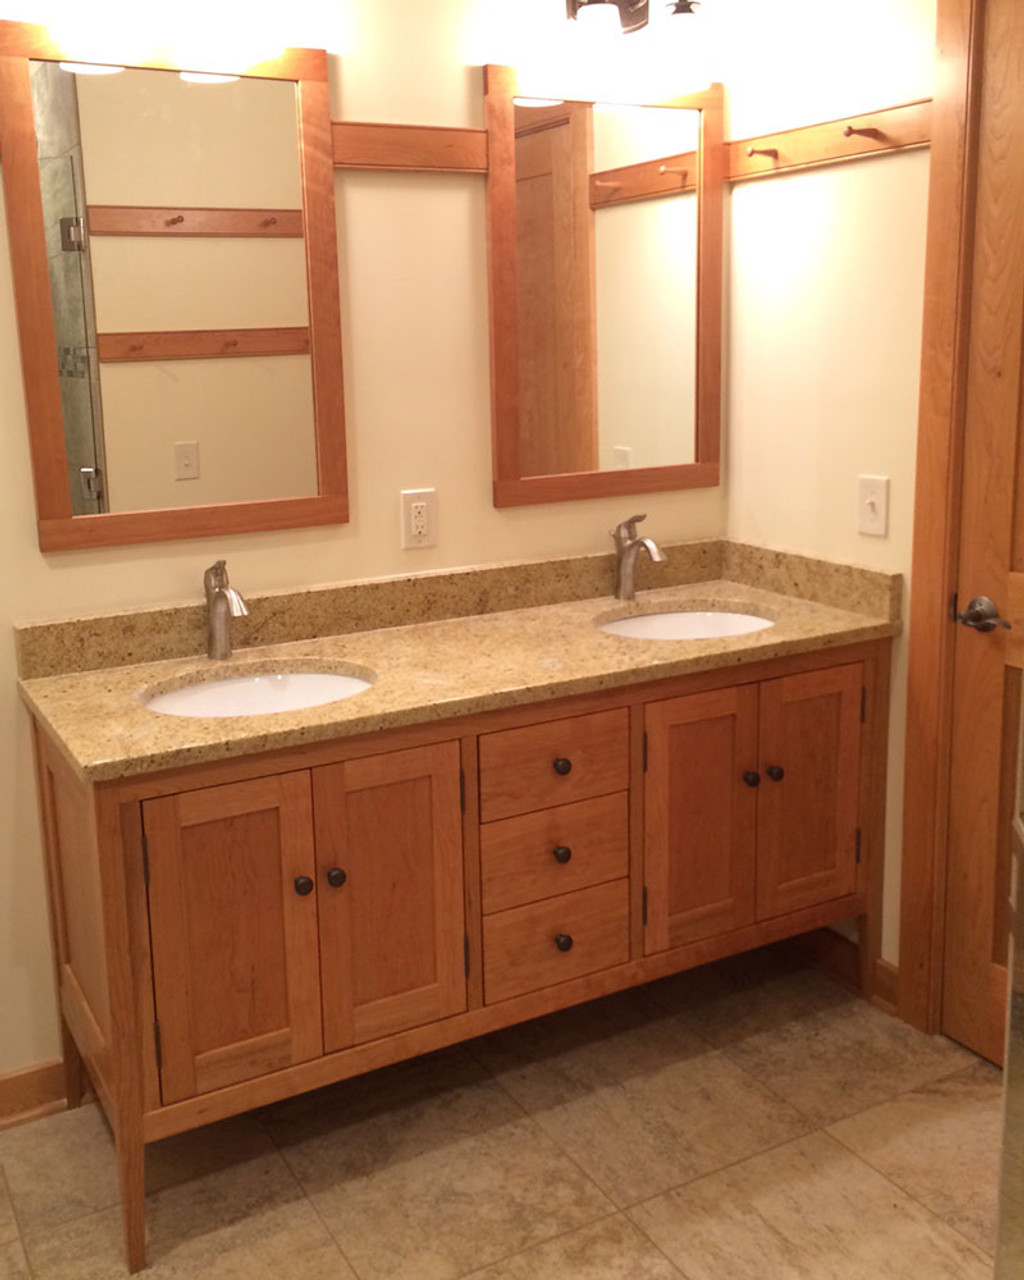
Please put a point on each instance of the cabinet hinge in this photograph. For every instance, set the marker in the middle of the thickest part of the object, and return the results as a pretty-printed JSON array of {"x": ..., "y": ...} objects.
[
  {"x": 863, "y": 703},
  {"x": 465, "y": 953},
  {"x": 858, "y": 845},
  {"x": 645, "y": 904},
  {"x": 159, "y": 1046},
  {"x": 145, "y": 859},
  {"x": 462, "y": 790},
  {"x": 645, "y": 752}
]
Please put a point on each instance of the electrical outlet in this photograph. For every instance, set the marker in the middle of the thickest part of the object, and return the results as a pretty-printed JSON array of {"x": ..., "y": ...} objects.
[
  {"x": 419, "y": 518},
  {"x": 873, "y": 506},
  {"x": 186, "y": 460}
]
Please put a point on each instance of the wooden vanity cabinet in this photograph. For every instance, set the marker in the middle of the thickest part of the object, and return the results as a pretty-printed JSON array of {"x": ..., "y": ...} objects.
[{"x": 232, "y": 933}]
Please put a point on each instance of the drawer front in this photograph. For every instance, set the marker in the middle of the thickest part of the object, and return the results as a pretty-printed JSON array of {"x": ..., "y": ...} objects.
[
  {"x": 521, "y": 951},
  {"x": 554, "y": 851},
  {"x": 556, "y": 763}
]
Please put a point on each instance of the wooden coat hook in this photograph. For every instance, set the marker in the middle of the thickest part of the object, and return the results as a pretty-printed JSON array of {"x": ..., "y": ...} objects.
[
  {"x": 668, "y": 168},
  {"x": 770, "y": 152},
  {"x": 173, "y": 222},
  {"x": 612, "y": 185},
  {"x": 850, "y": 132}
]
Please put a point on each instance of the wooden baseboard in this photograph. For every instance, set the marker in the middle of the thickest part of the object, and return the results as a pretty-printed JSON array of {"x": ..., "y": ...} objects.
[
  {"x": 31, "y": 1093},
  {"x": 885, "y": 987}
]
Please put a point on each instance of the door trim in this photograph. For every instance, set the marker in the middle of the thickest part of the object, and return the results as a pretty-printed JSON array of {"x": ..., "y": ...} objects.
[{"x": 944, "y": 353}]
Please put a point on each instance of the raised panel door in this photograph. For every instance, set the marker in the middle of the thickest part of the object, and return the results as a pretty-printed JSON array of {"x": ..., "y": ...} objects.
[
  {"x": 700, "y": 816},
  {"x": 233, "y": 921},
  {"x": 392, "y": 915}
]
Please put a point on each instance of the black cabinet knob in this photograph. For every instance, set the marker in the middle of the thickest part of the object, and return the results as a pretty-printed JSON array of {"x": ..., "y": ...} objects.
[
  {"x": 562, "y": 853},
  {"x": 563, "y": 941},
  {"x": 562, "y": 766},
  {"x": 751, "y": 778},
  {"x": 336, "y": 877},
  {"x": 775, "y": 772},
  {"x": 303, "y": 886}
]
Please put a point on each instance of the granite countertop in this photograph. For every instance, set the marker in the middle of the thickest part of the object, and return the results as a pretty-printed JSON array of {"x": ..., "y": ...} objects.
[{"x": 421, "y": 673}]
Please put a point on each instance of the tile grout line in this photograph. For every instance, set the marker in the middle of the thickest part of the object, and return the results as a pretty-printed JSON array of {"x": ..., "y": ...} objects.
[{"x": 19, "y": 1238}]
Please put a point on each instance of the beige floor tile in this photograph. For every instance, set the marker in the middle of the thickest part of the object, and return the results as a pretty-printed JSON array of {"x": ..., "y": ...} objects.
[
  {"x": 833, "y": 1064},
  {"x": 941, "y": 1143},
  {"x": 251, "y": 1222},
  {"x": 728, "y": 1003},
  {"x": 13, "y": 1265},
  {"x": 610, "y": 1250},
  {"x": 437, "y": 1184},
  {"x": 64, "y": 1166},
  {"x": 638, "y": 1101},
  {"x": 808, "y": 1211},
  {"x": 8, "y": 1224}
]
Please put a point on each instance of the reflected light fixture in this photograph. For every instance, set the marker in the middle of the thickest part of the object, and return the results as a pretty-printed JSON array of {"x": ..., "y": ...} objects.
[
  {"x": 90, "y": 69},
  {"x": 632, "y": 15},
  {"x": 206, "y": 77}
]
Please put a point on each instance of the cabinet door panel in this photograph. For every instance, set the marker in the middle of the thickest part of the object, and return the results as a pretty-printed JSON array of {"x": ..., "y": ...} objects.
[
  {"x": 699, "y": 816},
  {"x": 807, "y": 821},
  {"x": 235, "y": 953},
  {"x": 392, "y": 935}
]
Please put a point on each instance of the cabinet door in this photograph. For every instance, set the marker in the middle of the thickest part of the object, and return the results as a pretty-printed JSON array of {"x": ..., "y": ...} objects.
[
  {"x": 235, "y": 954},
  {"x": 808, "y": 802},
  {"x": 700, "y": 816},
  {"x": 392, "y": 919}
]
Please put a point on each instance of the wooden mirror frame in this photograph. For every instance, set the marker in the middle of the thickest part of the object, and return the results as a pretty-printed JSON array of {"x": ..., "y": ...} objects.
[
  {"x": 511, "y": 487},
  {"x": 59, "y": 530}
]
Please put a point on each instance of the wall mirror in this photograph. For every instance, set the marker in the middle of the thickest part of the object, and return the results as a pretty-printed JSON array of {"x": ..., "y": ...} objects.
[
  {"x": 605, "y": 239},
  {"x": 174, "y": 256}
]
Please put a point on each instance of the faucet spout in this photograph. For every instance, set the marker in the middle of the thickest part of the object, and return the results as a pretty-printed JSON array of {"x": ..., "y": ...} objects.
[
  {"x": 628, "y": 545},
  {"x": 223, "y": 603}
]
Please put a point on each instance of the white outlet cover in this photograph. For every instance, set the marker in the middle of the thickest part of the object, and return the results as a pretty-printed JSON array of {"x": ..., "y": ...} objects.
[{"x": 419, "y": 518}]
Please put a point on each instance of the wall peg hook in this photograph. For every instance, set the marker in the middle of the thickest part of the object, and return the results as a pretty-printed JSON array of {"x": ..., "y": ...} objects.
[
  {"x": 770, "y": 152},
  {"x": 173, "y": 222},
  {"x": 668, "y": 168},
  {"x": 850, "y": 132}
]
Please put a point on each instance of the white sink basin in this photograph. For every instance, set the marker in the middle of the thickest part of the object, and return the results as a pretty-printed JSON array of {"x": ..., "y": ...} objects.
[
  {"x": 686, "y": 625},
  {"x": 257, "y": 695}
]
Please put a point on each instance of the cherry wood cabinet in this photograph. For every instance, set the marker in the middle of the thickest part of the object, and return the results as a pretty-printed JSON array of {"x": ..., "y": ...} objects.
[{"x": 232, "y": 933}]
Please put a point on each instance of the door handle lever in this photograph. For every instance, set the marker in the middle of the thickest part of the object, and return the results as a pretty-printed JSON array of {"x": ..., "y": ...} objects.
[{"x": 982, "y": 614}]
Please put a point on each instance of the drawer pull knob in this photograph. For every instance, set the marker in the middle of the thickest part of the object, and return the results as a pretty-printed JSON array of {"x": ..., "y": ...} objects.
[
  {"x": 303, "y": 886},
  {"x": 562, "y": 853},
  {"x": 563, "y": 941},
  {"x": 775, "y": 772},
  {"x": 751, "y": 778},
  {"x": 562, "y": 766},
  {"x": 336, "y": 877}
]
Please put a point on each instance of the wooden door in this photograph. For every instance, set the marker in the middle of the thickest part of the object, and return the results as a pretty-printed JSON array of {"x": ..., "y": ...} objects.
[
  {"x": 700, "y": 816},
  {"x": 556, "y": 308},
  {"x": 232, "y": 908},
  {"x": 987, "y": 675},
  {"x": 392, "y": 916},
  {"x": 807, "y": 837}
]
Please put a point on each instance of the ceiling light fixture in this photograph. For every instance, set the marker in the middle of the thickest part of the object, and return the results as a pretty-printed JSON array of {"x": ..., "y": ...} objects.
[{"x": 633, "y": 15}]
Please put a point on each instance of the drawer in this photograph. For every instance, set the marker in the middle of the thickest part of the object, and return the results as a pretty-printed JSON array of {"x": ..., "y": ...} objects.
[
  {"x": 521, "y": 952},
  {"x": 553, "y": 851},
  {"x": 555, "y": 763}
]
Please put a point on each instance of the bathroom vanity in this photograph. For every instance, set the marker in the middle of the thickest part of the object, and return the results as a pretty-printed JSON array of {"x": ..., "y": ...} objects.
[{"x": 521, "y": 813}]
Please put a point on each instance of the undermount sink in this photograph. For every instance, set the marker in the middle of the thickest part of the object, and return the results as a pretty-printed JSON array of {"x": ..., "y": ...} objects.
[
  {"x": 686, "y": 624},
  {"x": 257, "y": 695}
]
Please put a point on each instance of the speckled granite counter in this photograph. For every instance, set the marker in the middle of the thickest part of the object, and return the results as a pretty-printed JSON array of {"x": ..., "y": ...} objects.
[{"x": 422, "y": 673}]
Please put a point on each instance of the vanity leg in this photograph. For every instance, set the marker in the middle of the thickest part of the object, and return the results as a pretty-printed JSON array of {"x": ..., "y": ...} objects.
[
  {"x": 74, "y": 1069},
  {"x": 131, "y": 1171}
]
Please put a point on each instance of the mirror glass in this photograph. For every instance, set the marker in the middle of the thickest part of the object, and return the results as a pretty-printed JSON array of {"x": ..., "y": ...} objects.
[
  {"x": 177, "y": 265},
  {"x": 607, "y": 288}
]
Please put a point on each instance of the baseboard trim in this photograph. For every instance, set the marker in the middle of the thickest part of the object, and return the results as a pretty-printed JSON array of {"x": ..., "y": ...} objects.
[
  {"x": 885, "y": 987},
  {"x": 32, "y": 1093}
]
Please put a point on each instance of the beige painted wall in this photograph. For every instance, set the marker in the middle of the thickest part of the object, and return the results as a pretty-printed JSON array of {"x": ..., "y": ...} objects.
[{"x": 414, "y": 302}]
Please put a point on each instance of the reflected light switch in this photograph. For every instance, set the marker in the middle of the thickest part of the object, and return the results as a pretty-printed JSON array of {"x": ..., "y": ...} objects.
[{"x": 186, "y": 460}]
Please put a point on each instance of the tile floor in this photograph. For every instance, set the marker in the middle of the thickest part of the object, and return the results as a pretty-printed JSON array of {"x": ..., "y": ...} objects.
[{"x": 747, "y": 1121}]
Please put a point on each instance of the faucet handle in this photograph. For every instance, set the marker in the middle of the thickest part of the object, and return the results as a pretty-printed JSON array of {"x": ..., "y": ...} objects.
[{"x": 626, "y": 531}]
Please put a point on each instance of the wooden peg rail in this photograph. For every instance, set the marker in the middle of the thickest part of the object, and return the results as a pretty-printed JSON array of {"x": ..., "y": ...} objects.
[
  {"x": 133, "y": 220},
  {"x": 416, "y": 148},
  {"x": 201, "y": 344}
]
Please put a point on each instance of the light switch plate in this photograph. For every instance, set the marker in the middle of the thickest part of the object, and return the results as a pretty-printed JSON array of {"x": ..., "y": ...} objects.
[
  {"x": 873, "y": 506},
  {"x": 186, "y": 460},
  {"x": 419, "y": 518}
]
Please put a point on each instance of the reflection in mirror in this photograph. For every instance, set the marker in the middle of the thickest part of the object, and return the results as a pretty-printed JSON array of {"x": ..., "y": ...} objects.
[{"x": 174, "y": 236}]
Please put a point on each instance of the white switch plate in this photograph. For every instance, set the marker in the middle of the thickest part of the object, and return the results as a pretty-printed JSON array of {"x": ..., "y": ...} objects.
[
  {"x": 623, "y": 455},
  {"x": 419, "y": 518},
  {"x": 873, "y": 506},
  {"x": 186, "y": 460}
]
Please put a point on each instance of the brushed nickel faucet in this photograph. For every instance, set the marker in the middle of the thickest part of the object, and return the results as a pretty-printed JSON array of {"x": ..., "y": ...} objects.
[
  {"x": 628, "y": 546},
  {"x": 223, "y": 603}
]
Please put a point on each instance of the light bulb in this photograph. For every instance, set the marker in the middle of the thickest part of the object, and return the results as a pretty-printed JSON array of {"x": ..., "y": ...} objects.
[{"x": 599, "y": 21}]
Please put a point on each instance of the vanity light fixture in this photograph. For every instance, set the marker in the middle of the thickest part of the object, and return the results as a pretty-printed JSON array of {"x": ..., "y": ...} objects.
[
  {"x": 205, "y": 77},
  {"x": 632, "y": 15},
  {"x": 90, "y": 69},
  {"x": 538, "y": 102}
]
